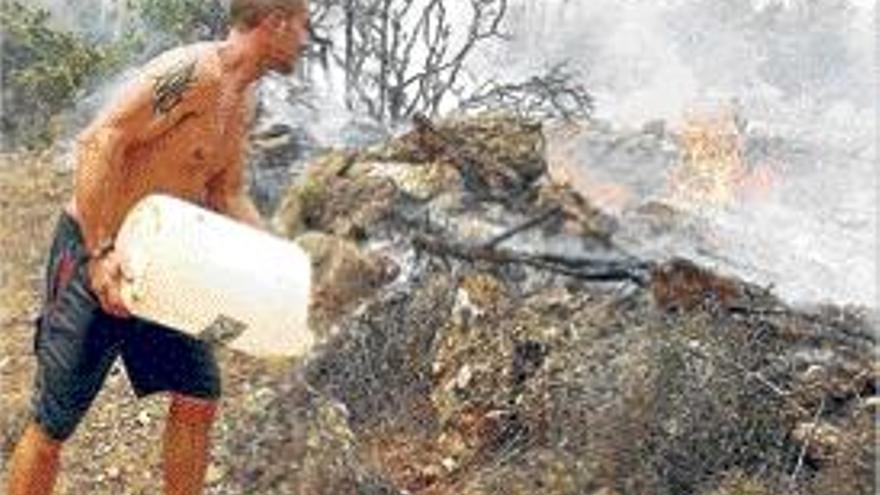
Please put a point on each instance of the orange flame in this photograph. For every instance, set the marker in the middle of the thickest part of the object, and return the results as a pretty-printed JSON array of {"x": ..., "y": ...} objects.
[
  {"x": 711, "y": 162},
  {"x": 712, "y": 171},
  {"x": 566, "y": 168}
]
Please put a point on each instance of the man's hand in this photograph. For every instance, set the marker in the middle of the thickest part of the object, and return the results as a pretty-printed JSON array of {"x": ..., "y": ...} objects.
[
  {"x": 242, "y": 208},
  {"x": 106, "y": 277}
]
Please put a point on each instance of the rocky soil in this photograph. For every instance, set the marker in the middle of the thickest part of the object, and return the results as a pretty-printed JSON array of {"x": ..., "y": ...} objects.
[{"x": 482, "y": 333}]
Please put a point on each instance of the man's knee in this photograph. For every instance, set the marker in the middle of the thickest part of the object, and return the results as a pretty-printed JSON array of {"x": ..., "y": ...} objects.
[
  {"x": 37, "y": 436},
  {"x": 52, "y": 424},
  {"x": 190, "y": 409}
]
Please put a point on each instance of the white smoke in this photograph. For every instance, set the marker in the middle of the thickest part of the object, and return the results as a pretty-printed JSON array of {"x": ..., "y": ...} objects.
[{"x": 801, "y": 73}]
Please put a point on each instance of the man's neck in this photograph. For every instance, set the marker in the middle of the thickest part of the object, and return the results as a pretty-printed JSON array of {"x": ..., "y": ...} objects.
[{"x": 240, "y": 60}]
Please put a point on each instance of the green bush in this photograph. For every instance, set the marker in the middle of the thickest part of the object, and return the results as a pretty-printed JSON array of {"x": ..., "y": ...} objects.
[
  {"x": 182, "y": 20},
  {"x": 43, "y": 70}
]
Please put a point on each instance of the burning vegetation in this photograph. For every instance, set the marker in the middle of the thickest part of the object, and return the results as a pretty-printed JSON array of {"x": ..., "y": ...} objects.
[
  {"x": 491, "y": 366},
  {"x": 713, "y": 171},
  {"x": 484, "y": 332},
  {"x": 465, "y": 353}
]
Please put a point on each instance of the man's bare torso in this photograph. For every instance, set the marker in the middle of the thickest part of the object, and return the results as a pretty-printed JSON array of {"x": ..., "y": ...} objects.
[{"x": 187, "y": 141}]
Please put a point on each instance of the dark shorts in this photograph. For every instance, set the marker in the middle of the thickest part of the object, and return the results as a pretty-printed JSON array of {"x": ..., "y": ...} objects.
[{"x": 76, "y": 344}]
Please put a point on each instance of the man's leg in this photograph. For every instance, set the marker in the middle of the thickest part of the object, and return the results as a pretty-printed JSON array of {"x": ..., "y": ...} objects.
[
  {"x": 187, "y": 444},
  {"x": 34, "y": 463},
  {"x": 160, "y": 359},
  {"x": 75, "y": 345}
]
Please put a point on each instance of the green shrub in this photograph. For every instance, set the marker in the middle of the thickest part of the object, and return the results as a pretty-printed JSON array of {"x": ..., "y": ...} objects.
[
  {"x": 183, "y": 21},
  {"x": 43, "y": 70}
]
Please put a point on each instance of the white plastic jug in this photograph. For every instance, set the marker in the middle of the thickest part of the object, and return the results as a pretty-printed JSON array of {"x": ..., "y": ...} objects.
[{"x": 215, "y": 278}]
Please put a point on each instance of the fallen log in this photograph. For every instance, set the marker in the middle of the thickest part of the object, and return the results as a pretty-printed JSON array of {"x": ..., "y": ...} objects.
[{"x": 591, "y": 269}]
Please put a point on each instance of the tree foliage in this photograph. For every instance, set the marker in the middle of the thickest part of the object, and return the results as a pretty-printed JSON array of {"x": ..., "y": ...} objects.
[
  {"x": 183, "y": 21},
  {"x": 43, "y": 69}
]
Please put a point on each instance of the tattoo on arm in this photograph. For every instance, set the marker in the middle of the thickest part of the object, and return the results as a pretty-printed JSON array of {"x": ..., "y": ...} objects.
[{"x": 169, "y": 88}]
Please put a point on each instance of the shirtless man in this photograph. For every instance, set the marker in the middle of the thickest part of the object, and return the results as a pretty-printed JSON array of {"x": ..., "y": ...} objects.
[{"x": 179, "y": 128}]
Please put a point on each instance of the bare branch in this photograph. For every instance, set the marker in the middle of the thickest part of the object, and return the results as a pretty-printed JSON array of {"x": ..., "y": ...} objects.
[
  {"x": 554, "y": 94},
  {"x": 405, "y": 56}
]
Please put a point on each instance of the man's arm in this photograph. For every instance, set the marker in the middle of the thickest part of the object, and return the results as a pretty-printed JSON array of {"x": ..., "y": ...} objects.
[
  {"x": 227, "y": 195},
  {"x": 241, "y": 207},
  {"x": 98, "y": 178},
  {"x": 147, "y": 108},
  {"x": 226, "y": 190}
]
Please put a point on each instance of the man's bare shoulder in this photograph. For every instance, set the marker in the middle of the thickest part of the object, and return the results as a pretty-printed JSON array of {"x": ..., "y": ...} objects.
[
  {"x": 183, "y": 75},
  {"x": 153, "y": 98}
]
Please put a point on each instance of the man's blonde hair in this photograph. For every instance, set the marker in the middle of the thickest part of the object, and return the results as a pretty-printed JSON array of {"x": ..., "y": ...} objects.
[{"x": 248, "y": 13}]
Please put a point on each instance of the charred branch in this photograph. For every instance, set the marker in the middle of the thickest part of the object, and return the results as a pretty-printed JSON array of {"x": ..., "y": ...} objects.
[
  {"x": 529, "y": 224},
  {"x": 576, "y": 267}
]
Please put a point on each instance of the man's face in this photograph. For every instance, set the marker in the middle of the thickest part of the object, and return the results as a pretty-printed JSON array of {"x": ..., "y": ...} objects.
[{"x": 287, "y": 37}]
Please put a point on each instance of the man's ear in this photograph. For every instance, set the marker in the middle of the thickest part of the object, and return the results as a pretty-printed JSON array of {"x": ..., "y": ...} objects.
[{"x": 274, "y": 20}]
